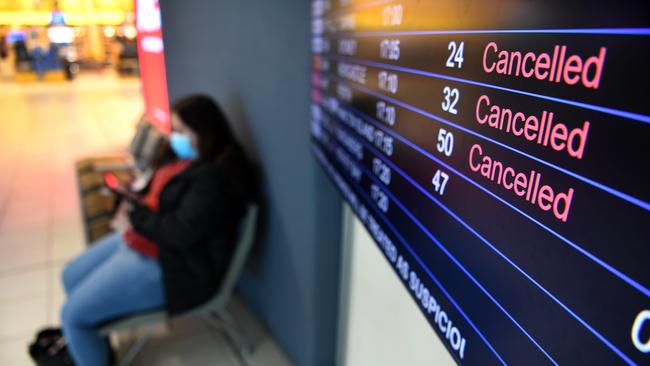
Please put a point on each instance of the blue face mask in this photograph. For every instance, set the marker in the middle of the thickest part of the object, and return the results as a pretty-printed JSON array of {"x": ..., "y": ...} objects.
[{"x": 182, "y": 146}]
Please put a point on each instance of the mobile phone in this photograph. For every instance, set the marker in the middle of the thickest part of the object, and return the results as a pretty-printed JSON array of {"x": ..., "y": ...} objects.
[{"x": 113, "y": 183}]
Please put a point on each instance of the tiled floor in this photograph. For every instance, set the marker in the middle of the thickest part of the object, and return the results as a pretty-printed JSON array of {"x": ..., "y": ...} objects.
[{"x": 44, "y": 128}]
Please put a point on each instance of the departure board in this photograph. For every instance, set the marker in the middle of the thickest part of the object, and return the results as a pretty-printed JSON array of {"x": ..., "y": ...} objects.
[{"x": 498, "y": 154}]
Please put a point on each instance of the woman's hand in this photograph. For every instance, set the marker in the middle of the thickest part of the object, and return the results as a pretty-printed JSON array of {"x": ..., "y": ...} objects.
[{"x": 120, "y": 221}]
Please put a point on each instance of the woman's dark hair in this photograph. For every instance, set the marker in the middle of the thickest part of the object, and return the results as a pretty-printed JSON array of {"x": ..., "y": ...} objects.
[
  {"x": 201, "y": 114},
  {"x": 217, "y": 142}
]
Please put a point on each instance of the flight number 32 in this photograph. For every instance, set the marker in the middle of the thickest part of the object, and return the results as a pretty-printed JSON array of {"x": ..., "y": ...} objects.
[{"x": 451, "y": 96}]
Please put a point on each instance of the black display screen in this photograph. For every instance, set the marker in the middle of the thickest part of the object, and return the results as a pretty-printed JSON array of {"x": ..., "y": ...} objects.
[{"x": 497, "y": 152}]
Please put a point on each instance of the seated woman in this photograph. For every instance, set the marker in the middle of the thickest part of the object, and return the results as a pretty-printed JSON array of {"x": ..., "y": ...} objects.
[{"x": 180, "y": 238}]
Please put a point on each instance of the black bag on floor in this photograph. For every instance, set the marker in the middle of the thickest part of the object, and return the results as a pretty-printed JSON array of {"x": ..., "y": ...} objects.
[{"x": 50, "y": 349}]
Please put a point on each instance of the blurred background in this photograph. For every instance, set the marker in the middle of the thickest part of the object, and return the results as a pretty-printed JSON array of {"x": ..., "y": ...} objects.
[
  {"x": 58, "y": 40},
  {"x": 76, "y": 79},
  {"x": 71, "y": 88}
]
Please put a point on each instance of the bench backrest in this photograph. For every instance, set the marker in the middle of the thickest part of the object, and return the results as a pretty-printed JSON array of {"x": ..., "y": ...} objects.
[
  {"x": 247, "y": 230},
  {"x": 145, "y": 145}
]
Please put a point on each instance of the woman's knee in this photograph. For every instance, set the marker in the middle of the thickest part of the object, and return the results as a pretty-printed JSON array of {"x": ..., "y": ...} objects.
[
  {"x": 69, "y": 315},
  {"x": 73, "y": 271},
  {"x": 67, "y": 278},
  {"x": 85, "y": 262},
  {"x": 76, "y": 313}
]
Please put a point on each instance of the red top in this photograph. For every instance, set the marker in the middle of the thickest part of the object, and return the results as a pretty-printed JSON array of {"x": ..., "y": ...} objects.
[{"x": 161, "y": 177}]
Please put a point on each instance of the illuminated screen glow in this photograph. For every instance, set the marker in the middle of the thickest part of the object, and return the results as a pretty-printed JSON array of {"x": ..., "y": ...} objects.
[
  {"x": 497, "y": 154},
  {"x": 152, "y": 63}
]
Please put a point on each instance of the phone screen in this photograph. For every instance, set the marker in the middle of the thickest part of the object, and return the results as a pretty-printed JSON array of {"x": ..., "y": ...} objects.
[{"x": 111, "y": 181}]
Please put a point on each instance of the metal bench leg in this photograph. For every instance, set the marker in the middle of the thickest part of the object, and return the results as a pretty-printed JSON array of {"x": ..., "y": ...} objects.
[
  {"x": 135, "y": 347},
  {"x": 222, "y": 320}
]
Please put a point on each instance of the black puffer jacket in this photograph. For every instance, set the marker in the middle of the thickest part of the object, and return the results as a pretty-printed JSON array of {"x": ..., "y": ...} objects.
[{"x": 195, "y": 229}]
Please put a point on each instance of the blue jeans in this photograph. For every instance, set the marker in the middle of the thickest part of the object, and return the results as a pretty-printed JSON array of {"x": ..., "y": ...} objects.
[{"x": 107, "y": 281}]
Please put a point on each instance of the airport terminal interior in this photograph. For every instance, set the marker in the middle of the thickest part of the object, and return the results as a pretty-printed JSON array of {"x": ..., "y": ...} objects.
[
  {"x": 46, "y": 128},
  {"x": 324, "y": 182}
]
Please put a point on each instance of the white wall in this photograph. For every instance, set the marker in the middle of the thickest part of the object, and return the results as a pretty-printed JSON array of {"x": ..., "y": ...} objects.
[{"x": 380, "y": 324}]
